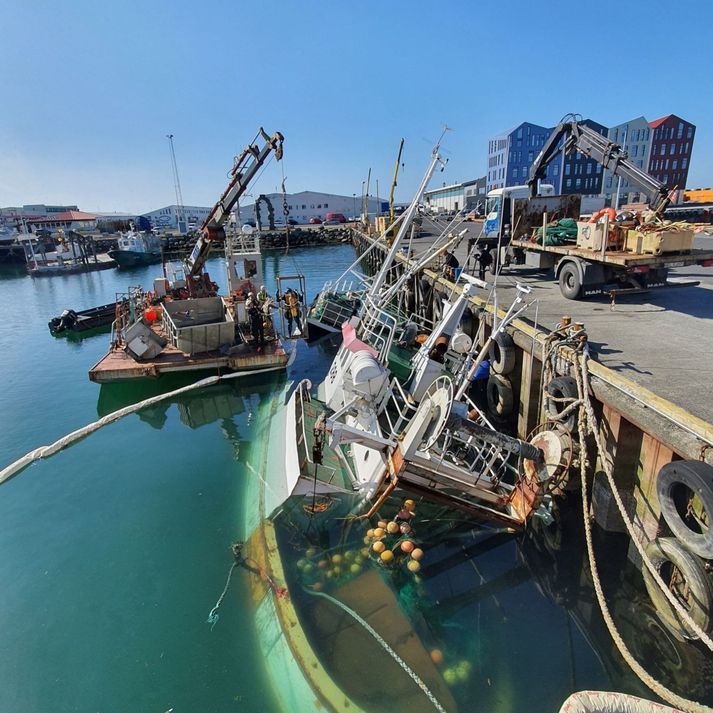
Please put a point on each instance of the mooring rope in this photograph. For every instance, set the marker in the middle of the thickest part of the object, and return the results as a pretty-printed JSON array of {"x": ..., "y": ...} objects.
[
  {"x": 213, "y": 616},
  {"x": 45, "y": 451},
  {"x": 414, "y": 676},
  {"x": 590, "y": 423}
]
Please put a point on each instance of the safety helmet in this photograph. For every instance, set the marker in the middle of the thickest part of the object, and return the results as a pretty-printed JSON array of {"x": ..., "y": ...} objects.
[
  {"x": 262, "y": 288},
  {"x": 250, "y": 294}
]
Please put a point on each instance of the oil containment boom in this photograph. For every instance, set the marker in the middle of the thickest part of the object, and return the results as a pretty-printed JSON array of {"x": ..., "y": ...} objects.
[
  {"x": 244, "y": 170},
  {"x": 577, "y": 136}
]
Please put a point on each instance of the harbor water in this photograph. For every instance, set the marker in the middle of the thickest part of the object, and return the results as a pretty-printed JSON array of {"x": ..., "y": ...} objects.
[{"x": 114, "y": 551}]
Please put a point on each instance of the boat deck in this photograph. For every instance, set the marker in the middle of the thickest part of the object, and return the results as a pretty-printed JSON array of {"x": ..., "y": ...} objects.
[{"x": 117, "y": 365}]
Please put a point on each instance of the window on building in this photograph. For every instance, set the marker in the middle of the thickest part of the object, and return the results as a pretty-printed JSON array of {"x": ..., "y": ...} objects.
[
  {"x": 663, "y": 149},
  {"x": 634, "y": 150},
  {"x": 680, "y": 130},
  {"x": 599, "y": 168},
  {"x": 515, "y": 173},
  {"x": 589, "y": 168},
  {"x": 674, "y": 164},
  {"x": 665, "y": 164},
  {"x": 689, "y": 133},
  {"x": 673, "y": 150},
  {"x": 684, "y": 163},
  {"x": 304, "y": 207},
  {"x": 566, "y": 169},
  {"x": 556, "y": 170},
  {"x": 578, "y": 183},
  {"x": 685, "y": 150},
  {"x": 665, "y": 178},
  {"x": 326, "y": 205},
  {"x": 568, "y": 183}
]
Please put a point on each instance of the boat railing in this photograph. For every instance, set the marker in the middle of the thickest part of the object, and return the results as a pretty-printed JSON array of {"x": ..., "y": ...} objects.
[
  {"x": 377, "y": 328},
  {"x": 240, "y": 243},
  {"x": 395, "y": 409},
  {"x": 308, "y": 468}
]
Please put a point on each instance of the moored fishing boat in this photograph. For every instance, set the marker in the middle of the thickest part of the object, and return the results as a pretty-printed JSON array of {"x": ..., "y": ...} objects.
[{"x": 134, "y": 248}]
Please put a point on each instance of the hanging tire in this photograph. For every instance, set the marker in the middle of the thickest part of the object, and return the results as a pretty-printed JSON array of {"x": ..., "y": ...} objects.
[
  {"x": 687, "y": 578},
  {"x": 500, "y": 396},
  {"x": 561, "y": 387},
  {"x": 685, "y": 490},
  {"x": 502, "y": 354},
  {"x": 570, "y": 281}
]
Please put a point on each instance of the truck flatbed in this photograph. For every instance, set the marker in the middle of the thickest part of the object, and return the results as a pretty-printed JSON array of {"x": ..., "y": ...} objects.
[{"x": 621, "y": 258}]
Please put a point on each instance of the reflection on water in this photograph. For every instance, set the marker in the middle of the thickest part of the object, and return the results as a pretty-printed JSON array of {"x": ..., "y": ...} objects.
[{"x": 488, "y": 616}]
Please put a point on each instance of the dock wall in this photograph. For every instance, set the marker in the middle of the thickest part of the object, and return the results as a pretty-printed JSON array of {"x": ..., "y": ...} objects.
[{"x": 641, "y": 431}]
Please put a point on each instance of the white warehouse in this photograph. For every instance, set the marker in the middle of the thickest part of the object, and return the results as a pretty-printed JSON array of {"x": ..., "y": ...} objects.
[{"x": 310, "y": 204}]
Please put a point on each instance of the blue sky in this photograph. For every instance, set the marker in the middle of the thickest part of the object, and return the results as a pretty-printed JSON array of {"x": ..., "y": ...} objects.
[{"x": 90, "y": 89}]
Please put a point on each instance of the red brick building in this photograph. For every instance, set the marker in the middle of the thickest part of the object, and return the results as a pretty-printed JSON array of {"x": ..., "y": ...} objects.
[{"x": 671, "y": 146}]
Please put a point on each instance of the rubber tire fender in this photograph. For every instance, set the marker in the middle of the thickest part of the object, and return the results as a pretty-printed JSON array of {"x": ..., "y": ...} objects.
[
  {"x": 698, "y": 582},
  {"x": 698, "y": 477},
  {"x": 570, "y": 281},
  {"x": 500, "y": 395},
  {"x": 502, "y": 354},
  {"x": 561, "y": 387}
]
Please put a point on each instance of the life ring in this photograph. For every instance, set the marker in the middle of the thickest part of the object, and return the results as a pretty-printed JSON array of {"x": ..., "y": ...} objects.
[
  {"x": 604, "y": 211},
  {"x": 685, "y": 491},
  {"x": 561, "y": 387},
  {"x": 688, "y": 580},
  {"x": 500, "y": 395},
  {"x": 502, "y": 354}
]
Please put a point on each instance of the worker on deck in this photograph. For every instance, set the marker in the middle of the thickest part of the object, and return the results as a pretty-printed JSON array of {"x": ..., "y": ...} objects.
[
  {"x": 257, "y": 327},
  {"x": 450, "y": 264},
  {"x": 292, "y": 310},
  {"x": 484, "y": 261},
  {"x": 263, "y": 295}
]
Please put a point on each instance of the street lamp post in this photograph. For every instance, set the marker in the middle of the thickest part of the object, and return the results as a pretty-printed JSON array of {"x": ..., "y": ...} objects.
[{"x": 354, "y": 208}]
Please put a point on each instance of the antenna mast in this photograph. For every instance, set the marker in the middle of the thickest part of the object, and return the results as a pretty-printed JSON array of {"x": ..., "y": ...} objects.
[{"x": 181, "y": 219}]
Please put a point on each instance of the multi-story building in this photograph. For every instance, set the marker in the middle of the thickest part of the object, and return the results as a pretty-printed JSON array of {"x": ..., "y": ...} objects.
[
  {"x": 671, "y": 144},
  {"x": 511, "y": 155},
  {"x": 635, "y": 137},
  {"x": 457, "y": 196},
  {"x": 580, "y": 174},
  {"x": 474, "y": 193}
]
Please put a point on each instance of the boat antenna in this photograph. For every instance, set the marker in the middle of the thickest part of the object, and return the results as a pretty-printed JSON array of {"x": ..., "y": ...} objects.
[{"x": 177, "y": 186}]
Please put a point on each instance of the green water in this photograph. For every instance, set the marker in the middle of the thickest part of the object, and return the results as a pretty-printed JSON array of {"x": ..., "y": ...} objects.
[{"x": 113, "y": 552}]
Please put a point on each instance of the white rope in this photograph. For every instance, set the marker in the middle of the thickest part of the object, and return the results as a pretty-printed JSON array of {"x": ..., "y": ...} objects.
[
  {"x": 417, "y": 680},
  {"x": 45, "y": 451},
  {"x": 591, "y": 423}
]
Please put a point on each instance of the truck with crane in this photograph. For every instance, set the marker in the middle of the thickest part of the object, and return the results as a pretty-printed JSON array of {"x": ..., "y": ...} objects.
[{"x": 612, "y": 252}]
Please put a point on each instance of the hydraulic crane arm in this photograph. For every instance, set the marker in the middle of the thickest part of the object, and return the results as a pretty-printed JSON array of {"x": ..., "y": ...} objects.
[
  {"x": 243, "y": 172},
  {"x": 579, "y": 137},
  {"x": 392, "y": 216}
]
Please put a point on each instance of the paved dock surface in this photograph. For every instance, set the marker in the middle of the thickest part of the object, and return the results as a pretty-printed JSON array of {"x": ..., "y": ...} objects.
[{"x": 661, "y": 339}]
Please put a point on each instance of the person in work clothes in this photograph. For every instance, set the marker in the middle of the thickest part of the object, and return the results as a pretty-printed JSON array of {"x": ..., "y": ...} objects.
[
  {"x": 257, "y": 328},
  {"x": 292, "y": 310},
  {"x": 484, "y": 260}
]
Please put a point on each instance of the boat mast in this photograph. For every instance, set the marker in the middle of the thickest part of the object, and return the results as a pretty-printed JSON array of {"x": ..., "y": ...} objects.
[
  {"x": 408, "y": 217},
  {"x": 181, "y": 219}
]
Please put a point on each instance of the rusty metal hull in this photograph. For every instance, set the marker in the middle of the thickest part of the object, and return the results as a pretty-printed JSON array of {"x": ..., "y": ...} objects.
[{"x": 117, "y": 365}]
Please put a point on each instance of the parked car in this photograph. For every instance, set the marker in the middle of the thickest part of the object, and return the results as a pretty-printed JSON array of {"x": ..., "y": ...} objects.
[
  {"x": 473, "y": 215},
  {"x": 292, "y": 221},
  {"x": 314, "y": 220},
  {"x": 336, "y": 217}
]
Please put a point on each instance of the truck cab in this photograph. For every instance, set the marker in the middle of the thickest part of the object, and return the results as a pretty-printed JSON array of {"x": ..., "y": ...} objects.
[{"x": 500, "y": 202}]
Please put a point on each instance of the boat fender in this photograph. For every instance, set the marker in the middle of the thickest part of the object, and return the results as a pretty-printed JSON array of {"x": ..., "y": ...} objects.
[
  {"x": 502, "y": 354},
  {"x": 500, "y": 395},
  {"x": 611, "y": 702},
  {"x": 676, "y": 484},
  {"x": 561, "y": 387},
  {"x": 601, "y": 213},
  {"x": 694, "y": 587}
]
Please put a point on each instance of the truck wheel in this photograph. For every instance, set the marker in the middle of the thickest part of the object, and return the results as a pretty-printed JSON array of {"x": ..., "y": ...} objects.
[{"x": 570, "y": 281}]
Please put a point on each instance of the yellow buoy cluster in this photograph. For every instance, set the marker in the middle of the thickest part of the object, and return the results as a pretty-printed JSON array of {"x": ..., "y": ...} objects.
[
  {"x": 392, "y": 541},
  {"x": 454, "y": 674},
  {"x": 321, "y": 569}
]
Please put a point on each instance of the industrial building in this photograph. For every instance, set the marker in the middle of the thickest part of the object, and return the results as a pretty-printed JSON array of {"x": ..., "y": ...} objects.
[
  {"x": 310, "y": 204},
  {"x": 457, "y": 196},
  {"x": 170, "y": 217}
]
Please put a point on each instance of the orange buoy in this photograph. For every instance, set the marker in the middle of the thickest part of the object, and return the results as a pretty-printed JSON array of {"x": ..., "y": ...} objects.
[
  {"x": 407, "y": 546},
  {"x": 437, "y": 656},
  {"x": 417, "y": 554},
  {"x": 150, "y": 315}
]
